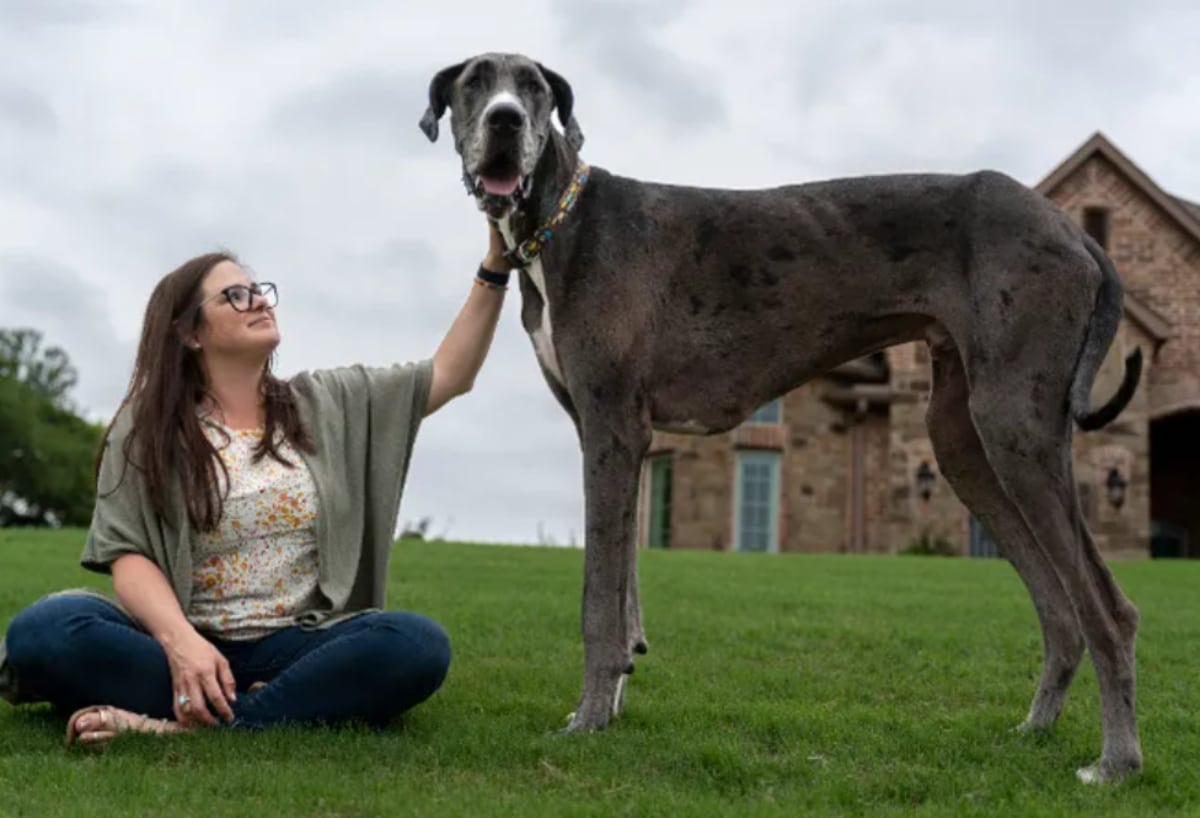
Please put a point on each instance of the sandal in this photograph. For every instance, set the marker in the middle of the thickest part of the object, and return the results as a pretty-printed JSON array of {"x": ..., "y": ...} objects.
[{"x": 111, "y": 721}]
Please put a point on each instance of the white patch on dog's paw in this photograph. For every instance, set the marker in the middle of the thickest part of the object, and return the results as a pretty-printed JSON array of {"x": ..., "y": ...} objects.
[
  {"x": 1089, "y": 775},
  {"x": 619, "y": 698}
]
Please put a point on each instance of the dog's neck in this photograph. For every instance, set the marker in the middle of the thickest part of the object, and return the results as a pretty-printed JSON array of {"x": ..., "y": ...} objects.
[{"x": 555, "y": 171}]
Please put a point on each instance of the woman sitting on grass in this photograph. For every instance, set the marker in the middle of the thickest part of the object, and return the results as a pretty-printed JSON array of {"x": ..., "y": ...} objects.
[{"x": 247, "y": 524}]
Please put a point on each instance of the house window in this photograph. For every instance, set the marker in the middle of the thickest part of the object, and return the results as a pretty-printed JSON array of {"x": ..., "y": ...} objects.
[
  {"x": 769, "y": 413},
  {"x": 659, "y": 535},
  {"x": 756, "y": 501},
  {"x": 1095, "y": 222}
]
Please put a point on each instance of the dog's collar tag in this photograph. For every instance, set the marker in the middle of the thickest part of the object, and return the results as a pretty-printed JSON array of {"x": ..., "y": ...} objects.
[{"x": 524, "y": 253}]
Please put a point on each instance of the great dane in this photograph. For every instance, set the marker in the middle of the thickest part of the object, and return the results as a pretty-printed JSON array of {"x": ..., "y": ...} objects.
[{"x": 657, "y": 306}]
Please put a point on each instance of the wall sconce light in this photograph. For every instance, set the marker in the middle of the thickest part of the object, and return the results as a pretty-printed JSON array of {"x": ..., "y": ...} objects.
[
  {"x": 1116, "y": 485},
  {"x": 925, "y": 480}
]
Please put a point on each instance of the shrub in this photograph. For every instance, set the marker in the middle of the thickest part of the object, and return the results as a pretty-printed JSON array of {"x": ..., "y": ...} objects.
[{"x": 928, "y": 545}]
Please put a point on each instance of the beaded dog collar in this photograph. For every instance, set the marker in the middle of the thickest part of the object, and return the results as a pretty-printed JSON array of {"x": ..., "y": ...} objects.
[{"x": 524, "y": 253}]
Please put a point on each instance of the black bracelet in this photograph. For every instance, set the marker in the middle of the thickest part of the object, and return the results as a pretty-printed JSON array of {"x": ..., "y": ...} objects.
[{"x": 495, "y": 279}]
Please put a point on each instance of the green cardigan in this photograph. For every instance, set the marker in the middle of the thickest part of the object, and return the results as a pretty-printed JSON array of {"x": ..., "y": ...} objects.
[{"x": 363, "y": 422}]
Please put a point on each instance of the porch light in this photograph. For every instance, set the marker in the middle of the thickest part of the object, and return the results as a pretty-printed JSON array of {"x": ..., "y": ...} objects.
[
  {"x": 925, "y": 480},
  {"x": 1116, "y": 485}
]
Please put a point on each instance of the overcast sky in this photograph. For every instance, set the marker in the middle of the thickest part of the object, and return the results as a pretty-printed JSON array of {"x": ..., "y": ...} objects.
[{"x": 137, "y": 133}]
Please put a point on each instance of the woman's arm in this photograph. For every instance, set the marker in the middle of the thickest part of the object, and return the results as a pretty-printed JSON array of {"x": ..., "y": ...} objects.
[
  {"x": 144, "y": 591},
  {"x": 197, "y": 667},
  {"x": 461, "y": 354}
]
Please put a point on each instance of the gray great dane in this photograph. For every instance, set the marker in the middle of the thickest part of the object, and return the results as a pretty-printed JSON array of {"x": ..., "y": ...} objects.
[{"x": 655, "y": 306}]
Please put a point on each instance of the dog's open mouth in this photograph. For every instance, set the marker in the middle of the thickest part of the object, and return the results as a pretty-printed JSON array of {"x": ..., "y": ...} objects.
[
  {"x": 501, "y": 179},
  {"x": 499, "y": 184}
]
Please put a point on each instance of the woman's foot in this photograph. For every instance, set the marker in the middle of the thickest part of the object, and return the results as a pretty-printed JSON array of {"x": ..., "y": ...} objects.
[{"x": 95, "y": 726}]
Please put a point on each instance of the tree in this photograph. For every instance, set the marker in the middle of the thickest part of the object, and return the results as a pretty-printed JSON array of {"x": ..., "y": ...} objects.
[
  {"x": 46, "y": 449},
  {"x": 48, "y": 372}
]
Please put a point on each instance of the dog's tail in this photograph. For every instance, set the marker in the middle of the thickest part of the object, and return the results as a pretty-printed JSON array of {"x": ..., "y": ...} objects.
[{"x": 1101, "y": 331}]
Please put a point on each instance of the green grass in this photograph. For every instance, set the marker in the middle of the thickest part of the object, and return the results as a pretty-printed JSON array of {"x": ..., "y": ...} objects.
[{"x": 775, "y": 685}]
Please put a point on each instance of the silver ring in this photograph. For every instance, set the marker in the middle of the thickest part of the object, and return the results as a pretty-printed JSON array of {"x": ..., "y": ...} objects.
[{"x": 184, "y": 700}]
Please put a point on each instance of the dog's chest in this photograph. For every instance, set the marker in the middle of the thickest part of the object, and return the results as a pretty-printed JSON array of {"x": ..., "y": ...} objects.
[{"x": 543, "y": 334}]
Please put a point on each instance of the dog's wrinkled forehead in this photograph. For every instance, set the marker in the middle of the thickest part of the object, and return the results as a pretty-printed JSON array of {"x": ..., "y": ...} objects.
[
  {"x": 469, "y": 88},
  {"x": 491, "y": 79}
]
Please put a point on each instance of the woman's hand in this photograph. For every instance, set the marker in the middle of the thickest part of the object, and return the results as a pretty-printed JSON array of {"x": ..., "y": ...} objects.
[
  {"x": 199, "y": 671},
  {"x": 494, "y": 260}
]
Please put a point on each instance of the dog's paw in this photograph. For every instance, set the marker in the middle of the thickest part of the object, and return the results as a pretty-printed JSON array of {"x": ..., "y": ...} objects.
[
  {"x": 1089, "y": 775},
  {"x": 1029, "y": 727},
  {"x": 595, "y": 712},
  {"x": 576, "y": 724},
  {"x": 1104, "y": 773}
]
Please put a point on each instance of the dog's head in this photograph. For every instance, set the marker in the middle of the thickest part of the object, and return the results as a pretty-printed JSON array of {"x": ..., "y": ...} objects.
[{"x": 500, "y": 106}]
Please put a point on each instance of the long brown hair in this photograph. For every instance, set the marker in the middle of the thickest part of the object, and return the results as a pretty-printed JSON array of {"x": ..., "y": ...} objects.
[{"x": 166, "y": 439}]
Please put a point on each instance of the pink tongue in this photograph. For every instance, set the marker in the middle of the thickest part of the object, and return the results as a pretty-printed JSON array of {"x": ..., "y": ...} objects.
[{"x": 505, "y": 186}]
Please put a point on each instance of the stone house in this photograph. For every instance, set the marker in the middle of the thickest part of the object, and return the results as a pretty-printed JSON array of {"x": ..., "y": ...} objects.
[{"x": 844, "y": 463}]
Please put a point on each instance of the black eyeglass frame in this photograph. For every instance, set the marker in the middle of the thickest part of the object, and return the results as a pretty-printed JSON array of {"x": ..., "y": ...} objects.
[{"x": 265, "y": 290}]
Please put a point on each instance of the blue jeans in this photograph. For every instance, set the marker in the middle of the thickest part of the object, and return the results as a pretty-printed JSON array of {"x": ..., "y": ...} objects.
[{"x": 76, "y": 650}]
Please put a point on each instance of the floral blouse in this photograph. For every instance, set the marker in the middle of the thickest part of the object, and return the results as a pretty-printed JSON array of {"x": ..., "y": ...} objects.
[{"x": 258, "y": 569}]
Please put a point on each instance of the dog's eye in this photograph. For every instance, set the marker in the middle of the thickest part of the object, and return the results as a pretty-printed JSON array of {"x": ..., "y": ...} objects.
[{"x": 530, "y": 85}]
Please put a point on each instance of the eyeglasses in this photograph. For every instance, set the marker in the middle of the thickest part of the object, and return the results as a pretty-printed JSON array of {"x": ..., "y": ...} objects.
[{"x": 241, "y": 297}]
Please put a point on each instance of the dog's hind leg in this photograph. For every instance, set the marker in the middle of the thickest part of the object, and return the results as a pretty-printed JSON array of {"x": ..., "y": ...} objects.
[
  {"x": 633, "y": 605},
  {"x": 614, "y": 443},
  {"x": 1029, "y": 449},
  {"x": 962, "y": 461}
]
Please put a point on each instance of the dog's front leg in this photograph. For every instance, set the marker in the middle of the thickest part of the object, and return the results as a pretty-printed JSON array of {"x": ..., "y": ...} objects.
[{"x": 612, "y": 457}]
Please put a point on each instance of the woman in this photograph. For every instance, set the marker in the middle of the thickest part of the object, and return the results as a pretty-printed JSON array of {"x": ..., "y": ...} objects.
[{"x": 246, "y": 522}]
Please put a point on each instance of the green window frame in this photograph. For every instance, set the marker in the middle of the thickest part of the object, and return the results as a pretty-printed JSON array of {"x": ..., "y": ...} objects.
[
  {"x": 756, "y": 501},
  {"x": 661, "y": 470}
]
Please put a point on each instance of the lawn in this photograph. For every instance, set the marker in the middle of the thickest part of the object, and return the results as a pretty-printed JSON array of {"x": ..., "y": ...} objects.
[{"x": 775, "y": 685}]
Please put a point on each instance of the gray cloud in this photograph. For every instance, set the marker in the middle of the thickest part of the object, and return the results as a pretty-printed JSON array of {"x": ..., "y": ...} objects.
[
  {"x": 514, "y": 494},
  {"x": 25, "y": 14},
  {"x": 948, "y": 86},
  {"x": 171, "y": 211},
  {"x": 25, "y": 111},
  {"x": 619, "y": 37},
  {"x": 284, "y": 19},
  {"x": 59, "y": 302},
  {"x": 379, "y": 287},
  {"x": 377, "y": 107}
]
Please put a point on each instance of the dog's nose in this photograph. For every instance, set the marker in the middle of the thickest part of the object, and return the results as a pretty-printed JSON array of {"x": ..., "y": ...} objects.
[{"x": 505, "y": 118}]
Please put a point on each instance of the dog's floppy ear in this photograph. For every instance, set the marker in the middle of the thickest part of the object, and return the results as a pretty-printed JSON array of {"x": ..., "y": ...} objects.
[
  {"x": 439, "y": 98},
  {"x": 564, "y": 101}
]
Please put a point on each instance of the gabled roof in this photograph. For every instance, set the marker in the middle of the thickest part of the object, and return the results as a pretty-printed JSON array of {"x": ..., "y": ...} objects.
[
  {"x": 1156, "y": 325},
  {"x": 1185, "y": 213},
  {"x": 1191, "y": 207}
]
